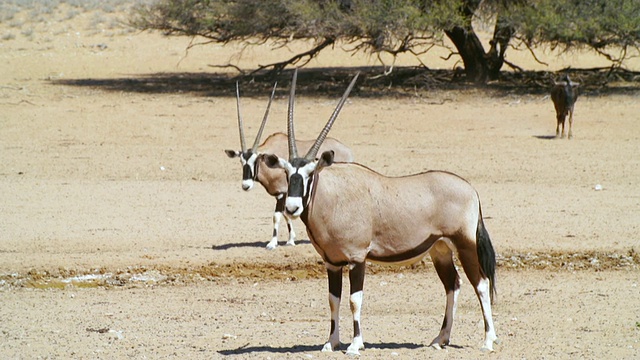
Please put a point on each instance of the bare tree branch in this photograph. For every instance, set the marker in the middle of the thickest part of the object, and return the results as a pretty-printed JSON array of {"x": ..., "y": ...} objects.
[{"x": 309, "y": 54}]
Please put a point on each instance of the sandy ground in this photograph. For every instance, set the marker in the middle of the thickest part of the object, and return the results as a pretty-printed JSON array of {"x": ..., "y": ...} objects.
[{"x": 124, "y": 232}]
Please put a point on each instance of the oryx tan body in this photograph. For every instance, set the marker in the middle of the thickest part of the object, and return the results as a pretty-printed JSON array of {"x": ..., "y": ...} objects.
[{"x": 388, "y": 219}]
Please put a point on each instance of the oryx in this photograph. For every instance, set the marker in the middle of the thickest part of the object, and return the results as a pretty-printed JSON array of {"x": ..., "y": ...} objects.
[
  {"x": 564, "y": 96},
  {"x": 354, "y": 215},
  {"x": 274, "y": 181}
]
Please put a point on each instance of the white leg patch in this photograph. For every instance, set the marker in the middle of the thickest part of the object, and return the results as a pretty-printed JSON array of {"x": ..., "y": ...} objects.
[
  {"x": 355, "y": 301},
  {"x": 292, "y": 233},
  {"x": 485, "y": 302},
  {"x": 277, "y": 216},
  {"x": 334, "y": 337}
]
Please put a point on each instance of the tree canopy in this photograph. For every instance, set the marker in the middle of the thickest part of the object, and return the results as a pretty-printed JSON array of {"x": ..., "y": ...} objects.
[{"x": 610, "y": 27}]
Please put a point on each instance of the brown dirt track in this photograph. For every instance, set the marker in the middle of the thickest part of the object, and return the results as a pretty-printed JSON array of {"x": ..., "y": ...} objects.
[{"x": 124, "y": 232}]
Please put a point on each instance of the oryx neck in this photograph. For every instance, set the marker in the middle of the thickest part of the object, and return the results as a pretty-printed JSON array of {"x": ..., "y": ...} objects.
[{"x": 309, "y": 198}]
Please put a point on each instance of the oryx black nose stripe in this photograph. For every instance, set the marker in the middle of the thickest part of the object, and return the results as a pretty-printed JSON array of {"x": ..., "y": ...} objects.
[
  {"x": 246, "y": 172},
  {"x": 296, "y": 185}
]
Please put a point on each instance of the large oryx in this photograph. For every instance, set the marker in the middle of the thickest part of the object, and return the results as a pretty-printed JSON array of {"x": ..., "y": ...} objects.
[
  {"x": 354, "y": 215},
  {"x": 564, "y": 96},
  {"x": 274, "y": 181}
]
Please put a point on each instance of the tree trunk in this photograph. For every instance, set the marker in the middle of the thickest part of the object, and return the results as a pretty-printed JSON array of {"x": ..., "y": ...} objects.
[
  {"x": 502, "y": 34},
  {"x": 472, "y": 53},
  {"x": 479, "y": 66}
]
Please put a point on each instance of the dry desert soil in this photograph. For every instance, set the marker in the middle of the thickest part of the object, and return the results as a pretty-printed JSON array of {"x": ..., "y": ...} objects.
[{"x": 124, "y": 231}]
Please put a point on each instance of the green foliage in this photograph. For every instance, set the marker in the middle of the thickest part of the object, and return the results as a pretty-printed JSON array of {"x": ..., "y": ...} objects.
[
  {"x": 396, "y": 26},
  {"x": 379, "y": 25},
  {"x": 598, "y": 24}
]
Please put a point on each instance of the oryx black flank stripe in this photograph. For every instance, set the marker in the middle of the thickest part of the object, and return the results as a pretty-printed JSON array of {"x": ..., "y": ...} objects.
[{"x": 418, "y": 250}]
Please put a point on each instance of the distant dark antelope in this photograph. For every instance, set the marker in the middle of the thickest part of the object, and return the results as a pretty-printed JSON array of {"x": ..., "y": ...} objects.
[
  {"x": 354, "y": 215},
  {"x": 564, "y": 96},
  {"x": 274, "y": 181}
]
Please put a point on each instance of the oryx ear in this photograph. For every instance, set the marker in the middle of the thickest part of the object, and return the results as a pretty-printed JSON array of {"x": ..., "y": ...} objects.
[
  {"x": 326, "y": 159},
  {"x": 232, "y": 153},
  {"x": 272, "y": 161}
]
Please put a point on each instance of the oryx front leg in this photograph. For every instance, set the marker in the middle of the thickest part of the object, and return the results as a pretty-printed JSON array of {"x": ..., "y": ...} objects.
[
  {"x": 356, "y": 280},
  {"x": 442, "y": 257},
  {"x": 292, "y": 233},
  {"x": 334, "y": 275},
  {"x": 278, "y": 213}
]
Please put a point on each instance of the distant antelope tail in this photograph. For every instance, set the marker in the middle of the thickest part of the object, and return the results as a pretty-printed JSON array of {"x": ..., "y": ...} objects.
[{"x": 486, "y": 255}]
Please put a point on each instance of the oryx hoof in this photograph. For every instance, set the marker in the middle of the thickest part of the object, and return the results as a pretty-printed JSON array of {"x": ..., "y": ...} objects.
[
  {"x": 355, "y": 347},
  {"x": 352, "y": 352},
  {"x": 272, "y": 245},
  {"x": 486, "y": 349},
  {"x": 328, "y": 347}
]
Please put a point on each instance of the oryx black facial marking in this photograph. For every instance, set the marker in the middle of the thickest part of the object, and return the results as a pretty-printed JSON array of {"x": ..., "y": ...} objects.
[
  {"x": 299, "y": 171},
  {"x": 249, "y": 166},
  {"x": 296, "y": 186}
]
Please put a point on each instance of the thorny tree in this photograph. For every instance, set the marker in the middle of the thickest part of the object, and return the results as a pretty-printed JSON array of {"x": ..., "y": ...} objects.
[{"x": 609, "y": 27}]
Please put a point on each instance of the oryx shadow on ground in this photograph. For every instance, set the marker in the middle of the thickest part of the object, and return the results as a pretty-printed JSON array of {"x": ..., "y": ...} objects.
[
  {"x": 256, "y": 244},
  {"x": 245, "y": 349}
]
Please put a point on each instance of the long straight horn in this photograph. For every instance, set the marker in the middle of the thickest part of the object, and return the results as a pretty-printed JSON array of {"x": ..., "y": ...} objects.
[
  {"x": 293, "y": 151},
  {"x": 264, "y": 120},
  {"x": 240, "y": 125},
  {"x": 323, "y": 134}
]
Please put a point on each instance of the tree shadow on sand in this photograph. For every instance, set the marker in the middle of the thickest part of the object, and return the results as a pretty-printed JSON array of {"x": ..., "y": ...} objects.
[
  {"x": 402, "y": 82},
  {"x": 245, "y": 349}
]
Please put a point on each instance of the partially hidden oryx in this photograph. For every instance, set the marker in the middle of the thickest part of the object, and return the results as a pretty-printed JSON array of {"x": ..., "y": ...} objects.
[
  {"x": 564, "y": 96},
  {"x": 354, "y": 215},
  {"x": 274, "y": 181}
]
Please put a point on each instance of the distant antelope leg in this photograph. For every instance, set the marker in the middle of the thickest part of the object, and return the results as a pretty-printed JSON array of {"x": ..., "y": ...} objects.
[
  {"x": 570, "y": 123},
  {"x": 561, "y": 119}
]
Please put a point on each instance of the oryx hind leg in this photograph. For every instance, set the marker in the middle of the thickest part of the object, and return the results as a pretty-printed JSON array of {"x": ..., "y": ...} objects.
[
  {"x": 442, "y": 257},
  {"x": 468, "y": 255}
]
